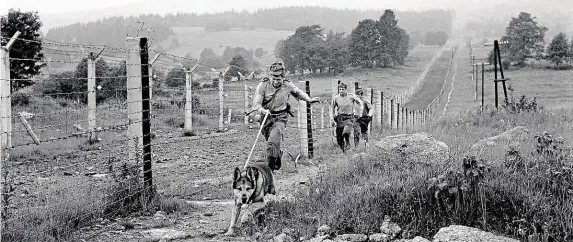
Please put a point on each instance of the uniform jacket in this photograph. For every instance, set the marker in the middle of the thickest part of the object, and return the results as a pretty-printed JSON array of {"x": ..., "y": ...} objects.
[{"x": 265, "y": 91}]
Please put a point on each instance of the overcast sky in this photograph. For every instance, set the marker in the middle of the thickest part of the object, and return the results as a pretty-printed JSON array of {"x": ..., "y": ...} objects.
[{"x": 64, "y": 6}]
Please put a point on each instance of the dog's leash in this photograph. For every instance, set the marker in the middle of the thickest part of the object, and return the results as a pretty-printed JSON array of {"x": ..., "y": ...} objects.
[{"x": 257, "y": 139}]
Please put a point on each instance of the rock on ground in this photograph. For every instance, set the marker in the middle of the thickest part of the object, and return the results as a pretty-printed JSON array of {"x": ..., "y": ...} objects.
[
  {"x": 379, "y": 238},
  {"x": 419, "y": 147},
  {"x": 460, "y": 233},
  {"x": 165, "y": 234},
  {"x": 495, "y": 147},
  {"x": 352, "y": 237}
]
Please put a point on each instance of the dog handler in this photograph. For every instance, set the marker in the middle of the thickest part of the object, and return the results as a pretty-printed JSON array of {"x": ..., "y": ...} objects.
[
  {"x": 342, "y": 109},
  {"x": 362, "y": 118},
  {"x": 271, "y": 96}
]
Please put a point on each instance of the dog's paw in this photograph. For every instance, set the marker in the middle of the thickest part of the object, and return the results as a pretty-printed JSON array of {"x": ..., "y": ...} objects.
[{"x": 229, "y": 233}]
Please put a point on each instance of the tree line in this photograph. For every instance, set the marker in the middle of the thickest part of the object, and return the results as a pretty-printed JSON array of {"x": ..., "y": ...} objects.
[
  {"x": 371, "y": 43},
  {"x": 283, "y": 18},
  {"x": 525, "y": 40}
]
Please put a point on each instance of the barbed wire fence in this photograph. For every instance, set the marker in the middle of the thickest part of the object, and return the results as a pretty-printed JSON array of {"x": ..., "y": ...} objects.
[{"x": 81, "y": 144}]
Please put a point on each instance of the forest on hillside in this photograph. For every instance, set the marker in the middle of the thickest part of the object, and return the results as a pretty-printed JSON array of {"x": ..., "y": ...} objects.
[{"x": 112, "y": 31}]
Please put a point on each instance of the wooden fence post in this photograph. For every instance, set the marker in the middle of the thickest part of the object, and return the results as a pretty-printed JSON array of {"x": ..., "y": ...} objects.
[
  {"x": 378, "y": 111},
  {"x": 145, "y": 115},
  {"x": 322, "y": 117},
  {"x": 398, "y": 117},
  {"x": 247, "y": 105},
  {"x": 309, "y": 123},
  {"x": 392, "y": 114}
]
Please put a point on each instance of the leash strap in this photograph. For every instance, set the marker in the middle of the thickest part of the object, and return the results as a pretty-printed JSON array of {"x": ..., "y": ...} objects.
[{"x": 257, "y": 139}]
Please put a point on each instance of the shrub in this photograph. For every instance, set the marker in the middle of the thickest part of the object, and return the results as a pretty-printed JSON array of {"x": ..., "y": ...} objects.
[{"x": 21, "y": 99}]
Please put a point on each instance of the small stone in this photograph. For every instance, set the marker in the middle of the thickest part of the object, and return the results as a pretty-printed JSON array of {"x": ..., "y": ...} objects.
[
  {"x": 283, "y": 238},
  {"x": 323, "y": 230},
  {"x": 352, "y": 237},
  {"x": 208, "y": 214},
  {"x": 379, "y": 238},
  {"x": 67, "y": 173},
  {"x": 389, "y": 228}
]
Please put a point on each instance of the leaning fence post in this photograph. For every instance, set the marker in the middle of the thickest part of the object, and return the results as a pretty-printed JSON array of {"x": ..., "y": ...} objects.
[{"x": 92, "y": 98}]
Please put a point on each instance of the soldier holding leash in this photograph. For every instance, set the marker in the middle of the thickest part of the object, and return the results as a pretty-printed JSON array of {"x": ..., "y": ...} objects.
[{"x": 271, "y": 96}]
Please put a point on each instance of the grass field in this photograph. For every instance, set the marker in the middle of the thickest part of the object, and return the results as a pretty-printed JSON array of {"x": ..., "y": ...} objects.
[
  {"x": 552, "y": 88},
  {"x": 194, "y": 39}
]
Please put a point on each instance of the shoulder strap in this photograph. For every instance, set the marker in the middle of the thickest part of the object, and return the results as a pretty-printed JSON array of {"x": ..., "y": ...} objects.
[{"x": 271, "y": 99}]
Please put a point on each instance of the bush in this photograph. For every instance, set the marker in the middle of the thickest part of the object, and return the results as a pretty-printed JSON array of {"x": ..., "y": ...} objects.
[
  {"x": 21, "y": 99},
  {"x": 522, "y": 105}
]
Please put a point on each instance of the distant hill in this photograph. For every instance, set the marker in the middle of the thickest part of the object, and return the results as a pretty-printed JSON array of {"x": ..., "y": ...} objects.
[{"x": 112, "y": 30}]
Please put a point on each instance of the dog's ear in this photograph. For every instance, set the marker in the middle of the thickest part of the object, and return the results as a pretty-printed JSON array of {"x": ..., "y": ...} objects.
[{"x": 236, "y": 176}]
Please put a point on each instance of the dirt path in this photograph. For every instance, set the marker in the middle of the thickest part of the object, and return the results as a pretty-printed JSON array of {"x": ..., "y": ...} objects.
[{"x": 453, "y": 81}]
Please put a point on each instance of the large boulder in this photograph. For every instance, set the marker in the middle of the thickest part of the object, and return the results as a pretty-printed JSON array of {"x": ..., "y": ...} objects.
[
  {"x": 493, "y": 148},
  {"x": 419, "y": 147},
  {"x": 460, "y": 233}
]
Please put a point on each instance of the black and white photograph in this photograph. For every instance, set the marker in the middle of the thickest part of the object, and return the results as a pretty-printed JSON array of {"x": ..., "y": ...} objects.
[{"x": 286, "y": 121}]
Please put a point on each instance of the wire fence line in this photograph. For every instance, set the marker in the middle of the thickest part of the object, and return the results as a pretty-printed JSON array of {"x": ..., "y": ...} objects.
[{"x": 80, "y": 144}]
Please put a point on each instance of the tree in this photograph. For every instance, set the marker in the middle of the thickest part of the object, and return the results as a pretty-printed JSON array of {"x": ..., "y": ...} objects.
[
  {"x": 175, "y": 77},
  {"x": 337, "y": 52},
  {"x": 259, "y": 52},
  {"x": 524, "y": 36},
  {"x": 27, "y": 55},
  {"x": 441, "y": 38},
  {"x": 430, "y": 38},
  {"x": 304, "y": 50},
  {"x": 237, "y": 64},
  {"x": 378, "y": 43},
  {"x": 279, "y": 46},
  {"x": 362, "y": 43},
  {"x": 80, "y": 84},
  {"x": 558, "y": 49}
]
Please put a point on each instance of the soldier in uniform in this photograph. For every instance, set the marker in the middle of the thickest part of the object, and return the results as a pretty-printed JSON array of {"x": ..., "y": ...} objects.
[
  {"x": 343, "y": 109},
  {"x": 363, "y": 117},
  {"x": 271, "y": 96}
]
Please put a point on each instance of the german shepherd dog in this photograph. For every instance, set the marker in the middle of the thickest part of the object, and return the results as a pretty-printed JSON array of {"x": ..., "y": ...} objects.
[{"x": 249, "y": 188}]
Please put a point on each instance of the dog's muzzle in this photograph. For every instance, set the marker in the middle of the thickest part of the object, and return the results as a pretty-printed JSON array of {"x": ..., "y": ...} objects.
[{"x": 244, "y": 199}]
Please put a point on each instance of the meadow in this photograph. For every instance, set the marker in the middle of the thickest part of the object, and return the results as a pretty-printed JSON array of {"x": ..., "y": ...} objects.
[
  {"x": 523, "y": 190},
  {"x": 193, "y": 40},
  {"x": 552, "y": 88}
]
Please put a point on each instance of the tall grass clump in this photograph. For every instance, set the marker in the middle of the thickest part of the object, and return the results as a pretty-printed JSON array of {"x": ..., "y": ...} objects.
[{"x": 526, "y": 194}]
